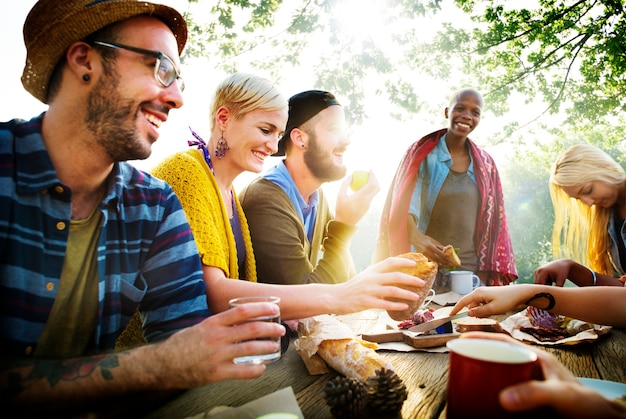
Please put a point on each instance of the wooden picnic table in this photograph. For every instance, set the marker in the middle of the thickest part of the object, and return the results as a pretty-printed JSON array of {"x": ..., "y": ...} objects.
[{"x": 424, "y": 374}]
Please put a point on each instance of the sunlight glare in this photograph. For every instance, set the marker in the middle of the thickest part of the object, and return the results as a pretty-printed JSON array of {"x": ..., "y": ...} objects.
[{"x": 357, "y": 19}]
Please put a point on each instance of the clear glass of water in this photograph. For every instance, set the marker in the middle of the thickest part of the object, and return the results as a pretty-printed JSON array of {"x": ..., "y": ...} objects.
[{"x": 263, "y": 358}]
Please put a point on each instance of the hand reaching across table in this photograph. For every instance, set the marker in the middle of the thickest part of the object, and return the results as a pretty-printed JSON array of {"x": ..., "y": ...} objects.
[{"x": 578, "y": 303}]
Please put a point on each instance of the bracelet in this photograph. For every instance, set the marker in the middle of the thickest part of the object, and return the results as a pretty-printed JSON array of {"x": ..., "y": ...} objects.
[
  {"x": 545, "y": 295},
  {"x": 594, "y": 276}
]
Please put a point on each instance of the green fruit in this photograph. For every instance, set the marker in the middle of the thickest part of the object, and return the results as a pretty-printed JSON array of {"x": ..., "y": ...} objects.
[{"x": 359, "y": 178}]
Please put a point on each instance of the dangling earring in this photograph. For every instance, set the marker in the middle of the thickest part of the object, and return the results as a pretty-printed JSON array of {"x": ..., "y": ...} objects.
[{"x": 221, "y": 148}]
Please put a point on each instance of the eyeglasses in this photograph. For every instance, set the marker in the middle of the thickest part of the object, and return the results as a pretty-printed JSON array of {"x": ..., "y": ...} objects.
[{"x": 164, "y": 69}]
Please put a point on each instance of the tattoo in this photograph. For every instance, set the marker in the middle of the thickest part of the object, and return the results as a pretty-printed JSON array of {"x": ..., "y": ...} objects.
[
  {"x": 55, "y": 371},
  {"x": 548, "y": 296}
]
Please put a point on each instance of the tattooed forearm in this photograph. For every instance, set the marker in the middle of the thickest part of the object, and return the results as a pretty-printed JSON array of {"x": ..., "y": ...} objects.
[
  {"x": 545, "y": 295},
  {"x": 55, "y": 371}
]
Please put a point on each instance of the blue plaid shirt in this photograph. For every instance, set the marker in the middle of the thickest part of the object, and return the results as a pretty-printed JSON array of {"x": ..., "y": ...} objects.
[{"x": 147, "y": 257}]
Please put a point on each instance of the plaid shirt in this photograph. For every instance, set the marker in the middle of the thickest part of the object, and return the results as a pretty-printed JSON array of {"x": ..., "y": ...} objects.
[{"x": 147, "y": 257}]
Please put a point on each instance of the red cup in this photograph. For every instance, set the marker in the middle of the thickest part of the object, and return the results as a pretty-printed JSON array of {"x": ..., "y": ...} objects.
[{"x": 479, "y": 370}]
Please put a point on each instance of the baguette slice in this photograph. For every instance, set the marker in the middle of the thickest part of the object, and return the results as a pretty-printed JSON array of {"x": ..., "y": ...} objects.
[{"x": 477, "y": 324}]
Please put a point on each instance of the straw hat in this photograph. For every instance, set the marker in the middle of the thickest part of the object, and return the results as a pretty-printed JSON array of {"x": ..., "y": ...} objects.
[{"x": 53, "y": 25}]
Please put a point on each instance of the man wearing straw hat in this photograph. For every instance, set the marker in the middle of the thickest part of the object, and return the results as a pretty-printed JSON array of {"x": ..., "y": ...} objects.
[{"x": 86, "y": 239}]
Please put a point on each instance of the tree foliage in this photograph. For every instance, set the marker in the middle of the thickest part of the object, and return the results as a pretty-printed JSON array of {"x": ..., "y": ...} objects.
[
  {"x": 570, "y": 52},
  {"x": 236, "y": 31},
  {"x": 569, "y": 55}
]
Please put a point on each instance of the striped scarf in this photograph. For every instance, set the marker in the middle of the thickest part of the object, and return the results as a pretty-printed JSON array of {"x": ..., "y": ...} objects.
[{"x": 493, "y": 243}]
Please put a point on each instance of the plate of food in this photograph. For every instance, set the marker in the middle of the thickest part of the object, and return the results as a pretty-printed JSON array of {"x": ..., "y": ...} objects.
[
  {"x": 610, "y": 389},
  {"x": 541, "y": 327}
]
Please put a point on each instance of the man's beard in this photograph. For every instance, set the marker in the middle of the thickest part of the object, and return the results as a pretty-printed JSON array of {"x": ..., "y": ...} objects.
[
  {"x": 320, "y": 162},
  {"x": 113, "y": 121}
]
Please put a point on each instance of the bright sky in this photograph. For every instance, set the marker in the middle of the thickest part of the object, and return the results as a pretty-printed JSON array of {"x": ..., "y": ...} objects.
[{"x": 377, "y": 145}]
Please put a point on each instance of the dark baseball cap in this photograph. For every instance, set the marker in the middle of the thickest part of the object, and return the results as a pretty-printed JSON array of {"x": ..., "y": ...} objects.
[{"x": 302, "y": 107}]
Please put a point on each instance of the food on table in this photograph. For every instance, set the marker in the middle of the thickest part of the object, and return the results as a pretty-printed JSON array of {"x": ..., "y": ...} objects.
[
  {"x": 337, "y": 345},
  {"x": 477, "y": 324},
  {"x": 424, "y": 269},
  {"x": 419, "y": 317},
  {"x": 551, "y": 327},
  {"x": 453, "y": 257}
]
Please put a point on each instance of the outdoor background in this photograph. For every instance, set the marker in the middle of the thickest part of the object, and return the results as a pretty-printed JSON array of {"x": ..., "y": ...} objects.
[{"x": 552, "y": 73}]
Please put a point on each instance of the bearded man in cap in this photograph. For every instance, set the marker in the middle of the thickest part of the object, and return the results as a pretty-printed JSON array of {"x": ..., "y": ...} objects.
[
  {"x": 87, "y": 239},
  {"x": 295, "y": 237}
]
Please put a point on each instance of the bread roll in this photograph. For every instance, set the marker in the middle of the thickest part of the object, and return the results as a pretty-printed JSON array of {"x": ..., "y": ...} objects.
[{"x": 425, "y": 269}]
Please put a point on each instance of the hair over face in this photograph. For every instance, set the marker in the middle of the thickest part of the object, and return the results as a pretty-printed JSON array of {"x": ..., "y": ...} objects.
[
  {"x": 580, "y": 231},
  {"x": 583, "y": 163}
]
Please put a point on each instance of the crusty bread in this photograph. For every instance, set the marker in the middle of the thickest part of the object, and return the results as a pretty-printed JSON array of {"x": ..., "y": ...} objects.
[
  {"x": 352, "y": 358},
  {"x": 335, "y": 343},
  {"x": 453, "y": 258},
  {"x": 477, "y": 324},
  {"x": 425, "y": 269}
]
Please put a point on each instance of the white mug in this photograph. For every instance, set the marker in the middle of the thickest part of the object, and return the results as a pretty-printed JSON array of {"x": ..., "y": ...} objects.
[
  {"x": 429, "y": 298},
  {"x": 463, "y": 282}
]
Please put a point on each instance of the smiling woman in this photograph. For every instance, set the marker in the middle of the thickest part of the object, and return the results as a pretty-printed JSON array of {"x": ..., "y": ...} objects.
[{"x": 247, "y": 115}]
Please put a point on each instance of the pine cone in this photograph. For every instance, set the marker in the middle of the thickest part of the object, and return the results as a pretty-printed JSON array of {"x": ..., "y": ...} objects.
[
  {"x": 386, "y": 393},
  {"x": 347, "y": 397}
]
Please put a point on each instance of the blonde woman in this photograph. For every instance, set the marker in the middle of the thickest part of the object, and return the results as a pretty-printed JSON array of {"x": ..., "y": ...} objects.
[
  {"x": 588, "y": 190},
  {"x": 248, "y": 116}
]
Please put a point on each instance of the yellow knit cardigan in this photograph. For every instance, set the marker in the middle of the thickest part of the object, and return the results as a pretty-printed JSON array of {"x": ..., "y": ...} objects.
[{"x": 198, "y": 192}]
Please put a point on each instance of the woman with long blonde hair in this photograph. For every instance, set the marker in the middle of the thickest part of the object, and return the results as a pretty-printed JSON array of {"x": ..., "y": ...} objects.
[{"x": 588, "y": 190}]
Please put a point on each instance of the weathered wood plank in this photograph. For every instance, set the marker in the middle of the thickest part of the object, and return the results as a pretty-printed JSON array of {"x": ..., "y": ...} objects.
[{"x": 425, "y": 375}]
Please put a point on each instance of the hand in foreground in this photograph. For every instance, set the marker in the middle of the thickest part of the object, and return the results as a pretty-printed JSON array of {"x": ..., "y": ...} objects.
[
  {"x": 559, "y": 390},
  {"x": 555, "y": 272},
  {"x": 487, "y": 301},
  {"x": 351, "y": 207},
  {"x": 372, "y": 287},
  {"x": 204, "y": 353}
]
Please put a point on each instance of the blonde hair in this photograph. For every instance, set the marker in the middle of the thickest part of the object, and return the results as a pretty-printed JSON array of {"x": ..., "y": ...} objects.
[
  {"x": 582, "y": 230},
  {"x": 242, "y": 93}
]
